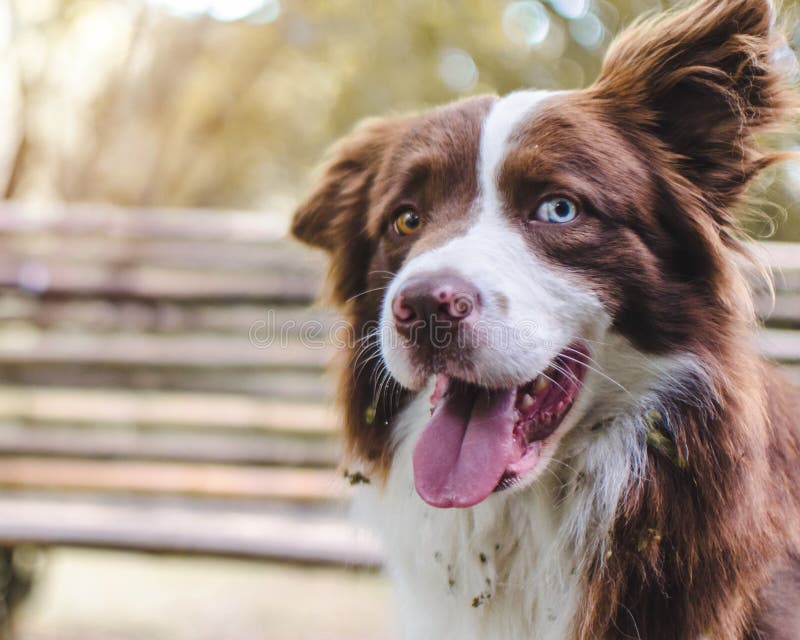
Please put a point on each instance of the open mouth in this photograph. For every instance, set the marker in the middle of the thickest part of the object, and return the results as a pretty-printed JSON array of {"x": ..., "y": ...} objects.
[{"x": 482, "y": 440}]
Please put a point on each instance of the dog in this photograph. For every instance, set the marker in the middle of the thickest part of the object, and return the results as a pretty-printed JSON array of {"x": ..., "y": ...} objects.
[{"x": 553, "y": 388}]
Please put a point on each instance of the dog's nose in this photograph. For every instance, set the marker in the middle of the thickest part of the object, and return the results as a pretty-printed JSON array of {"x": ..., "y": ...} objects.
[{"x": 441, "y": 299}]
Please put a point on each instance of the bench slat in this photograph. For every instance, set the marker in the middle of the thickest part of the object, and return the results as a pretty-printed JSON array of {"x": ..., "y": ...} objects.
[
  {"x": 297, "y": 386},
  {"x": 109, "y": 252},
  {"x": 173, "y": 478},
  {"x": 102, "y": 315},
  {"x": 154, "y": 350},
  {"x": 187, "y": 527},
  {"x": 161, "y": 409},
  {"x": 782, "y": 345},
  {"x": 166, "y": 445},
  {"x": 108, "y": 220},
  {"x": 144, "y": 282}
]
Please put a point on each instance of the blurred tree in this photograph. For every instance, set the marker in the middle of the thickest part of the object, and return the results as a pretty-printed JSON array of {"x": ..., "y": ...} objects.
[{"x": 230, "y": 104}]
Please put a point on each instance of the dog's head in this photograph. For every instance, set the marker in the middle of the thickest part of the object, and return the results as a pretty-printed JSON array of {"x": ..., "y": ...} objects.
[{"x": 494, "y": 253}]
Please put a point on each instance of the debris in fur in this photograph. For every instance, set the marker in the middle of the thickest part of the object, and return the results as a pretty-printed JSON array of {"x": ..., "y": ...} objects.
[
  {"x": 481, "y": 599},
  {"x": 482, "y": 557},
  {"x": 650, "y": 540},
  {"x": 355, "y": 477},
  {"x": 661, "y": 442},
  {"x": 371, "y": 412}
]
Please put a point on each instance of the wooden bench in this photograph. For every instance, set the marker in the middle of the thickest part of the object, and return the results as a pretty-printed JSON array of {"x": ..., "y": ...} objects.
[{"x": 139, "y": 409}]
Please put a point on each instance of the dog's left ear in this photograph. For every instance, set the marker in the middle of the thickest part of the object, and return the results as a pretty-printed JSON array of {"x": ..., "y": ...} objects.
[{"x": 703, "y": 80}]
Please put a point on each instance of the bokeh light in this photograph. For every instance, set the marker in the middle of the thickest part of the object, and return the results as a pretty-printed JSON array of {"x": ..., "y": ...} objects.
[
  {"x": 555, "y": 44},
  {"x": 232, "y": 10},
  {"x": 260, "y": 11},
  {"x": 458, "y": 70},
  {"x": 570, "y": 9},
  {"x": 526, "y": 23},
  {"x": 269, "y": 12},
  {"x": 588, "y": 31},
  {"x": 184, "y": 7}
]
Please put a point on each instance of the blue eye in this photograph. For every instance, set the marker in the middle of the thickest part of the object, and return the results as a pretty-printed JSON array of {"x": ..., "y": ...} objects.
[{"x": 557, "y": 210}]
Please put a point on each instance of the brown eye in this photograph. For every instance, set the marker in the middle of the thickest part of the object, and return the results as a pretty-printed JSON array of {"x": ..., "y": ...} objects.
[{"x": 407, "y": 222}]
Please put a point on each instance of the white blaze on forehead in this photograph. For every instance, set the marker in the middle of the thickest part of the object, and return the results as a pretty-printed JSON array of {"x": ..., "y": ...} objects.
[{"x": 505, "y": 117}]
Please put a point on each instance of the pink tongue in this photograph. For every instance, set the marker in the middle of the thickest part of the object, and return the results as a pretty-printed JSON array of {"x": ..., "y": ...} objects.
[{"x": 466, "y": 447}]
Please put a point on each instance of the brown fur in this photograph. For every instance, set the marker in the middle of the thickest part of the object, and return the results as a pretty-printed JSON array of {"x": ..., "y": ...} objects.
[{"x": 658, "y": 153}]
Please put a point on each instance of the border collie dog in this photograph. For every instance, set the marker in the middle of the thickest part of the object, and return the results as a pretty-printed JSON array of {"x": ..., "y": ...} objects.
[{"x": 554, "y": 390}]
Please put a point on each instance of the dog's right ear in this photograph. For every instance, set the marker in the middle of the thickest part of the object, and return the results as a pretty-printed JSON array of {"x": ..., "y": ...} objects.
[
  {"x": 334, "y": 212},
  {"x": 704, "y": 78},
  {"x": 333, "y": 216}
]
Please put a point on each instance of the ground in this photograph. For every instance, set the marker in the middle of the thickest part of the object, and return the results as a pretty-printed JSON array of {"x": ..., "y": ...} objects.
[{"x": 101, "y": 595}]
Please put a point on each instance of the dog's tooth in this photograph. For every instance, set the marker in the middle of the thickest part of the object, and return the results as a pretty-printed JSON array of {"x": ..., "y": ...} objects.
[
  {"x": 526, "y": 402},
  {"x": 540, "y": 384}
]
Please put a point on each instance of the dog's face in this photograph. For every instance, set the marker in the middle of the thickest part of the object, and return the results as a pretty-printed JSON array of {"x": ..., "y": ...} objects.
[
  {"x": 502, "y": 291},
  {"x": 488, "y": 249}
]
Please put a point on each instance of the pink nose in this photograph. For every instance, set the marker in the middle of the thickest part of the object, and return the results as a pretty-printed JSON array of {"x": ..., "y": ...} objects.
[{"x": 441, "y": 299}]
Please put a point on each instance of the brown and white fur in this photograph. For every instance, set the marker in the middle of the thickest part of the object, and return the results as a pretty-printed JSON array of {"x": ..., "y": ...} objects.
[{"x": 666, "y": 504}]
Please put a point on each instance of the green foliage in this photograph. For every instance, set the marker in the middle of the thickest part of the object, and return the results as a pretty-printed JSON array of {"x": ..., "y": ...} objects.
[{"x": 121, "y": 101}]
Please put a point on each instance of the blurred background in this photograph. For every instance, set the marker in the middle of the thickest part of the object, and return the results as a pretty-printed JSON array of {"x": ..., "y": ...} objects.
[{"x": 168, "y": 451}]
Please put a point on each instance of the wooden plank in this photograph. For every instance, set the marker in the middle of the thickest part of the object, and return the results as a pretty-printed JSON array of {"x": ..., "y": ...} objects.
[
  {"x": 55, "y": 277},
  {"x": 171, "y": 478},
  {"x": 782, "y": 345},
  {"x": 782, "y": 311},
  {"x": 155, "y": 409},
  {"x": 186, "y": 527},
  {"x": 105, "y": 252},
  {"x": 792, "y": 373},
  {"x": 154, "y": 350},
  {"x": 102, "y": 442},
  {"x": 780, "y": 256},
  {"x": 161, "y": 316},
  {"x": 112, "y": 221},
  {"x": 781, "y": 260},
  {"x": 306, "y": 385}
]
